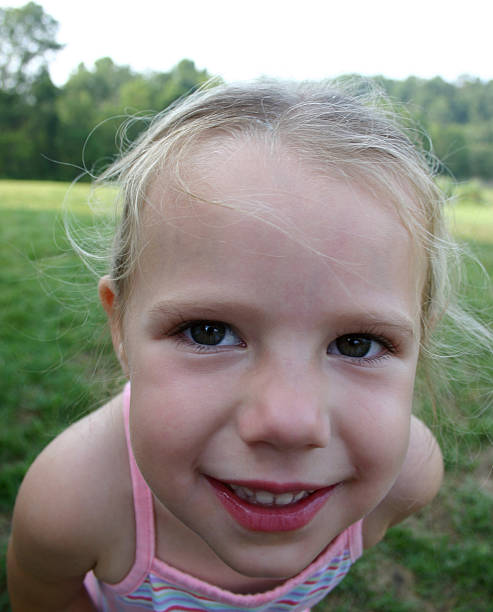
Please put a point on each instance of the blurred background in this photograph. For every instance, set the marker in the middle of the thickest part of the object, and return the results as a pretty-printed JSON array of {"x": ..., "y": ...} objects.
[
  {"x": 71, "y": 73},
  {"x": 65, "y": 69}
]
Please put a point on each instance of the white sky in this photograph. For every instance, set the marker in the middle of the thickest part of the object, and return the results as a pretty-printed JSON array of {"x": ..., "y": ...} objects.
[{"x": 306, "y": 39}]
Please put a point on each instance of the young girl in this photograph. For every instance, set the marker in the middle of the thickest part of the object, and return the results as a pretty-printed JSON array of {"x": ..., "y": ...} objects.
[{"x": 275, "y": 277}]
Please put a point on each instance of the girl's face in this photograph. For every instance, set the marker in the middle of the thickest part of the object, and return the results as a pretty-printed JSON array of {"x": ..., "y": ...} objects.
[{"x": 271, "y": 340}]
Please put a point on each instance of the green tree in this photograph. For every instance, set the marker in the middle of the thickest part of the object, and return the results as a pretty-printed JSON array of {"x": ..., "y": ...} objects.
[
  {"x": 480, "y": 139},
  {"x": 16, "y": 147},
  {"x": 184, "y": 78},
  {"x": 451, "y": 147},
  {"x": 43, "y": 124},
  {"x": 27, "y": 37},
  {"x": 94, "y": 103},
  {"x": 89, "y": 110},
  {"x": 29, "y": 131},
  {"x": 28, "y": 121}
]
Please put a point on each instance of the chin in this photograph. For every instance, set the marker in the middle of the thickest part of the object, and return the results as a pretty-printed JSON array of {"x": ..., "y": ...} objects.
[{"x": 263, "y": 563}]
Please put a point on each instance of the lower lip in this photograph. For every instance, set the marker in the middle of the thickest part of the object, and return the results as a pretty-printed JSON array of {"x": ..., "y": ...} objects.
[{"x": 271, "y": 518}]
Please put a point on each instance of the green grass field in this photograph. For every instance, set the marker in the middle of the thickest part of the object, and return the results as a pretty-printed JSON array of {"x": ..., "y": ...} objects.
[{"x": 56, "y": 365}]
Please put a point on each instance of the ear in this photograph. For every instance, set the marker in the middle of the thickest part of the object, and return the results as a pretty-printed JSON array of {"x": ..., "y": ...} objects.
[{"x": 107, "y": 297}]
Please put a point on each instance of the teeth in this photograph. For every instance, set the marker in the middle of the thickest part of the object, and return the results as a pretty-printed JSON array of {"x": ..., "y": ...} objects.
[
  {"x": 284, "y": 499},
  {"x": 266, "y": 498},
  {"x": 243, "y": 492},
  {"x": 300, "y": 495}
]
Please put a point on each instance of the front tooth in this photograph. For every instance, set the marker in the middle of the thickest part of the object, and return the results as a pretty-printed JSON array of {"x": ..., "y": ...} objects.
[
  {"x": 264, "y": 497},
  {"x": 299, "y": 496},
  {"x": 243, "y": 492},
  {"x": 284, "y": 499}
]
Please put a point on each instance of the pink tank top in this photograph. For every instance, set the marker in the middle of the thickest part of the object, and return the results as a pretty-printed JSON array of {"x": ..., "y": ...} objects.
[{"x": 152, "y": 584}]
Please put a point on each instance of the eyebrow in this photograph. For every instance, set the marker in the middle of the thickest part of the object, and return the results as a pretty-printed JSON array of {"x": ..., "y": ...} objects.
[
  {"x": 176, "y": 307},
  {"x": 400, "y": 324}
]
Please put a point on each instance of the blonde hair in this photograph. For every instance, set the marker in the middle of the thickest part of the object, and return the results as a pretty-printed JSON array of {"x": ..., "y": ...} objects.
[{"x": 336, "y": 131}]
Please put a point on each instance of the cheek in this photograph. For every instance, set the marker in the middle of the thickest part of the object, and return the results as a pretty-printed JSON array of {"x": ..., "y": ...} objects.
[
  {"x": 174, "y": 414},
  {"x": 375, "y": 426}
]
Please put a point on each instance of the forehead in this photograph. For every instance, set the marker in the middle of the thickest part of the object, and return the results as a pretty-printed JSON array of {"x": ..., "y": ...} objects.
[
  {"x": 249, "y": 205},
  {"x": 237, "y": 180}
]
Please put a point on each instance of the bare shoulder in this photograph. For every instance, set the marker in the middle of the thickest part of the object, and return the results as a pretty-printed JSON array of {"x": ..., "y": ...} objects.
[
  {"x": 67, "y": 507},
  {"x": 417, "y": 484}
]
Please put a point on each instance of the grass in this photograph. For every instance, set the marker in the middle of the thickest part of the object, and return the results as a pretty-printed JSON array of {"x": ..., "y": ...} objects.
[
  {"x": 56, "y": 362},
  {"x": 51, "y": 338}
]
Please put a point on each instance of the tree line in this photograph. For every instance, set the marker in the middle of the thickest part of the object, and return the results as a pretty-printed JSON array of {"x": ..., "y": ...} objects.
[{"x": 49, "y": 132}]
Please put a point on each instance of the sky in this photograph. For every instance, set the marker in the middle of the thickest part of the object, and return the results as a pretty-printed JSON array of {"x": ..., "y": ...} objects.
[{"x": 302, "y": 39}]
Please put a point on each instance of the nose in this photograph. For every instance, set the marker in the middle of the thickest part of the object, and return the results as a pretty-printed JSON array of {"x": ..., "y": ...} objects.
[{"x": 285, "y": 407}]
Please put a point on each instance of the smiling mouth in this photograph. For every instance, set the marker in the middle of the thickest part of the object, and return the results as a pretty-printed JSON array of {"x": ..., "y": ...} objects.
[{"x": 259, "y": 509}]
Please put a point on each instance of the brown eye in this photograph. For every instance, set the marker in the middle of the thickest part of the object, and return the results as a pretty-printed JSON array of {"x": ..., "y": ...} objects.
[
  {"x": 355, "y": 346},
  {"x": 207, "y": 332},
  {"x": 210, "y": 334}
]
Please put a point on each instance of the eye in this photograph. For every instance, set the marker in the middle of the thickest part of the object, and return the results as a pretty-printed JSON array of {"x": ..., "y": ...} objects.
[
  {"x": 356, "y": 346},
  {"x": 210, "y": 333}
]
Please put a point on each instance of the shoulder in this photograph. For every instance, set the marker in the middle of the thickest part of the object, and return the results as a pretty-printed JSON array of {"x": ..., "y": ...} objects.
[
  {"x": 67, "y": 507},
  {"x": 417, "y": 484}
]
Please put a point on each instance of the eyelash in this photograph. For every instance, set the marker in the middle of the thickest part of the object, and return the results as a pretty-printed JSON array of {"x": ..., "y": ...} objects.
[{"x": 178, "y": 334}]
